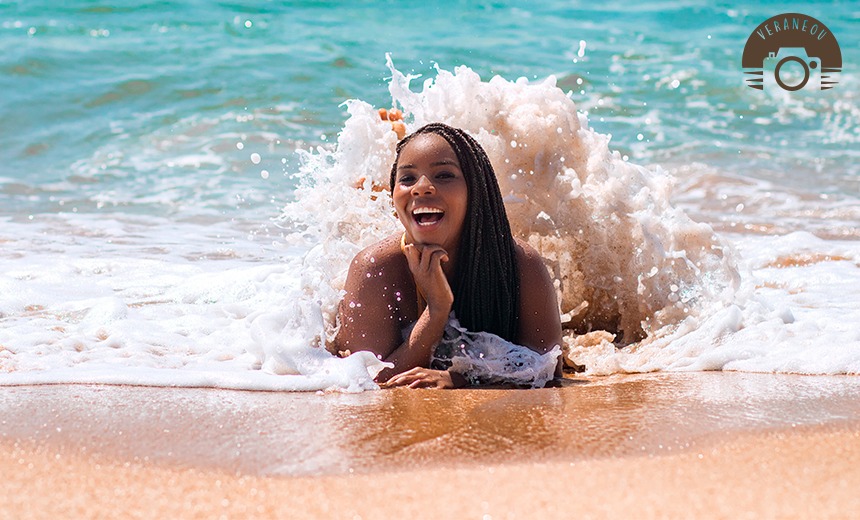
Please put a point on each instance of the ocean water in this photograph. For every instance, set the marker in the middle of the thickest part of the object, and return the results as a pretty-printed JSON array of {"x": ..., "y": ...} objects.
[{"x": 178, "y": 201}]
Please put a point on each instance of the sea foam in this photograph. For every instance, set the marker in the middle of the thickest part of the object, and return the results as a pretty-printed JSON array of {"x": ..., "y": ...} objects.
[
  {"x": 642, "y": 287},
  {"x": 623, "y": 259}
]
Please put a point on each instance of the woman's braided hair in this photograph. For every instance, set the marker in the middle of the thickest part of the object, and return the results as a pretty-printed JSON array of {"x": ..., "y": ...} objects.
[{"x": 486, "y": 286}]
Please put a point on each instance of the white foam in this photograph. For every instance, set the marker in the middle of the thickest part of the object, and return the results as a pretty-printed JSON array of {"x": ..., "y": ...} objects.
[
  {"x": 796, "y": 312},
  {"x": 624, "y": 258},
  {"x": 613, "y": 241},
  {"x": 177, "y": 315}
]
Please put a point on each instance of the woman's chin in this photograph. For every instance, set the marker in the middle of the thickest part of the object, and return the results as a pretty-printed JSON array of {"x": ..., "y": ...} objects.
[{"x": 428, "y": 234}]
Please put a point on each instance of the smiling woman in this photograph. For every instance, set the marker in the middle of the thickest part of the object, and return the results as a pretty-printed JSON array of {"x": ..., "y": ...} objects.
[{"x": 456, "y": 264}]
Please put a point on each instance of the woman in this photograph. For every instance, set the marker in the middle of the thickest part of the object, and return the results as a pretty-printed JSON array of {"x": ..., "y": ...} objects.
[{"x": 456, "y": 254}]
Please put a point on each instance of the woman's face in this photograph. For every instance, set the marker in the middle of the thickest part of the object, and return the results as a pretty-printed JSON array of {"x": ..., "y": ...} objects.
[{"x": 430, "y": 192}]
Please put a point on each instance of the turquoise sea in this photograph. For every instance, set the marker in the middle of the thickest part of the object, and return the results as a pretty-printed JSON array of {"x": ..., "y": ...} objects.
[
  {"x": 139, "y": 105},
  {"x": 151, "y": 145}
]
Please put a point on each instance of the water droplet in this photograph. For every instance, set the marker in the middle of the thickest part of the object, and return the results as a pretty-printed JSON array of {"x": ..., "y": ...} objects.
[
  {"x": 255, "y": 158},
  {"x": 264, "y": 174},
  {"x": 240, "y": 145}
]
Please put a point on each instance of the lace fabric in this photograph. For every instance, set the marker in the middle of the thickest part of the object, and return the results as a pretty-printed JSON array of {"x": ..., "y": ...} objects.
[{"x": 484, "y": 358}]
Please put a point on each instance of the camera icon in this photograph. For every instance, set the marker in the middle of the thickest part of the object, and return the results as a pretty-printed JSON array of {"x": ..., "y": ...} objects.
[{"x": 791, "y": 77}]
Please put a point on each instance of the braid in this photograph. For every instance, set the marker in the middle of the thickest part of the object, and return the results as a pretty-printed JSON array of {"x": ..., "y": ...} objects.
[{"x": 486, "y": 284}]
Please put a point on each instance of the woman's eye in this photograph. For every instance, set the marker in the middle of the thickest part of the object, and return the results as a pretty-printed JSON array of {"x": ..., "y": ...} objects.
[
  {"x": 406, "y": 179},
  {"x": 445, "y": 175}
]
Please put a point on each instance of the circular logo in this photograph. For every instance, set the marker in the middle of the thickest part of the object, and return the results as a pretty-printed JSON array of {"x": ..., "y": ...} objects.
[{"x": 792, "y": 51}]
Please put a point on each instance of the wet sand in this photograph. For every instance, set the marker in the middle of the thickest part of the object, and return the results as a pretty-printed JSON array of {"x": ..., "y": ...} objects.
[{"x": 715, "y": 445}]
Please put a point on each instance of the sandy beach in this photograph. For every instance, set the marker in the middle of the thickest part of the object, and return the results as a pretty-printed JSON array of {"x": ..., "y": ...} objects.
[{"x": 705, "y": 445}]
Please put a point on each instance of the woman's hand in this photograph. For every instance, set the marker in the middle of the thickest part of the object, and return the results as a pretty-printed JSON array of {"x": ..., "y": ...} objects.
[
  {"x": 426, "y": 266},
  {"x": 426, "y": 378}
]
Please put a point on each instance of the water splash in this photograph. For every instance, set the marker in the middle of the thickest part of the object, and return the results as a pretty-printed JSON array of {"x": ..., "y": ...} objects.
[{"x": 623, "y": 259}]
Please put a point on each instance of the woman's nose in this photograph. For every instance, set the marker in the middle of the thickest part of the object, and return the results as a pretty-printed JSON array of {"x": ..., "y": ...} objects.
[{"x": 423, "y": 186}]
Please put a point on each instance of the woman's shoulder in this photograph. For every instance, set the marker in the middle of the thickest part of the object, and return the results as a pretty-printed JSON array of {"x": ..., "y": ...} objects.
[
  {"x": 382, "y": 253},
  {"x": 534, "y": 274},
  {"x": 528, "y": 257},
  {"x": 539, "y": 327},
  {"x": 381, "y": 263}
]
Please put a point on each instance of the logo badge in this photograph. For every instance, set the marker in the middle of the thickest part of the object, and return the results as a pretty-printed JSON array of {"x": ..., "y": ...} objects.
[{"x": 793, "y": 52}]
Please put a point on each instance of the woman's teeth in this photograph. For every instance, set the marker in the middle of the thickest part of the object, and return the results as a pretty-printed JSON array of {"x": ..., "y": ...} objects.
[{"x": 427, "y": 216}]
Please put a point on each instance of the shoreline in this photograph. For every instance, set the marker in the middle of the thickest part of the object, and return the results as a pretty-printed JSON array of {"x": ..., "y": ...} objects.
[{"x": 713, "y": 445}]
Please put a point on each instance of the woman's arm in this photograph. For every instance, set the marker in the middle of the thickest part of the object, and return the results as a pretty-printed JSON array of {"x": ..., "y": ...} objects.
[
  {"x": 372, "y": 313},
  {"x": 425, "y": 266},
  {"x": 369, "y": 316}
]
